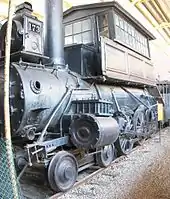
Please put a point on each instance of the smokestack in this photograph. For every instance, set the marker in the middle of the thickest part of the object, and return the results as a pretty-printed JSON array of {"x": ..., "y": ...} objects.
[{"x": 54, "y": 34}]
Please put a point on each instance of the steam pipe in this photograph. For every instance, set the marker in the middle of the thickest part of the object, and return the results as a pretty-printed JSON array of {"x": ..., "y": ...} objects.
[{"x": 54, "y": 37}]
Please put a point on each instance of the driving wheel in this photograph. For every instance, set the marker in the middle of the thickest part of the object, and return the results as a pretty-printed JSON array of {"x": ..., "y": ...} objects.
[{"x": 124, "y": 145}]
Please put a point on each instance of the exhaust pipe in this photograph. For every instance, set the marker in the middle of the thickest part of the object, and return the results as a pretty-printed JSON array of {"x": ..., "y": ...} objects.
[{"x": 54, "y": 34}]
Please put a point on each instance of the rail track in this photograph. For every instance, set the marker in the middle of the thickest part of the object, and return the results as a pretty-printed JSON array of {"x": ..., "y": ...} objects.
[
  {"x": 94, "y": 170},
  {"x": 87, "y": 175},
  {"x": 83, "y": 177}
]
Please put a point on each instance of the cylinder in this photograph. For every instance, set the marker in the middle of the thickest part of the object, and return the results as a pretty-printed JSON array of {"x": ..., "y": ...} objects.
[
  {"x": 90, "y": 132},
  {"x": 54, "y": 34}
]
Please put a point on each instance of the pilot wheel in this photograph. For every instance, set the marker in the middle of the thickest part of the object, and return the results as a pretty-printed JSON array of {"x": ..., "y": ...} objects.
[
  {"x": 105, "y": 156},
  {"x": 62, "y": 171}
]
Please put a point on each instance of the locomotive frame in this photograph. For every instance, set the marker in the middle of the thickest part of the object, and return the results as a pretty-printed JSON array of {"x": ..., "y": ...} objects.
[{"x": 64, "y": 116}]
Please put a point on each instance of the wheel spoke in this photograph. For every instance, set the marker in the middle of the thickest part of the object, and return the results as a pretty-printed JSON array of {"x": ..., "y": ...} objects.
[
  {"x": 62, "y": 171},
  {"x": 124, "y": 145},
  {"x": 105, "y": 156}
]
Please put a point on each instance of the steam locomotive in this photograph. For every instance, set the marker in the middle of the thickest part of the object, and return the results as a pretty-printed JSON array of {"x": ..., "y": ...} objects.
[{"x": 83, "y": 103}]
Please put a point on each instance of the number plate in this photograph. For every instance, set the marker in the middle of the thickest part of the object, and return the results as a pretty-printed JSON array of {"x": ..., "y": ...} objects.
[
  {"x": 34, "y": 27},
  {"x": 33, "y": 40}
]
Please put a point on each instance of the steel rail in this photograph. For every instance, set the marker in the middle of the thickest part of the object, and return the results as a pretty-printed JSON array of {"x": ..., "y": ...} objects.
[{"x": 100, "y": 170}]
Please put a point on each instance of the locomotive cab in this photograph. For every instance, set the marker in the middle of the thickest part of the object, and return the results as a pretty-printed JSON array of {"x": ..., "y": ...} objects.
[{"x": 104, "y": 42}]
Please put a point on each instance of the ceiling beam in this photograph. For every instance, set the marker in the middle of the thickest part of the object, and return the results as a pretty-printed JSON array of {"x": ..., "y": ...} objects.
[
  {"x": 138, "y": 1},
  {"x": 158, "y": 17},
  {"x": 163, "y": 25},
  {"x": 158, "y": 10}
]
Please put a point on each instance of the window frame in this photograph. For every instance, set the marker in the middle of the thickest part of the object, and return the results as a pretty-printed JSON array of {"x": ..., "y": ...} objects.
[
  {"x": 110, "y": 21},
  {"x": 114, "y": 13},
  {"x": 79, "y": 33}
]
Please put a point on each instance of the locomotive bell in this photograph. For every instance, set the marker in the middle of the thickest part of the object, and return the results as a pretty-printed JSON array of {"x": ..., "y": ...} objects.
[{"x": 27, "y": 32}]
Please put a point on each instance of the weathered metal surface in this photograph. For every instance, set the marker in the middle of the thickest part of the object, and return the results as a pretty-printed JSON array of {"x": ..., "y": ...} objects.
[
  {"x": 88, "y": 131},
  {"x": 62, "y": 171},
  {"x": 27, "y": 32},
  {"x": 54, "y": 37},
  {"x": 121, "y": 63},
  {"x": 37, "y": 97}
]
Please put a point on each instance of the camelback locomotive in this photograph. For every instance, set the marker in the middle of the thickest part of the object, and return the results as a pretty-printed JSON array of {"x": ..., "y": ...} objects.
[{"x": 81, "y": 104}]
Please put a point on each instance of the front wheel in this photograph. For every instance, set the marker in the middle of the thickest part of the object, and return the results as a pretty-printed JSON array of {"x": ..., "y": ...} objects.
[{"x": 62, "y": 171}]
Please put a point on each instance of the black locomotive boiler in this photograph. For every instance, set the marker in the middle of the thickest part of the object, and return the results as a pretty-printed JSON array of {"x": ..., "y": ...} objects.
[{"x": 84, "y": 103}]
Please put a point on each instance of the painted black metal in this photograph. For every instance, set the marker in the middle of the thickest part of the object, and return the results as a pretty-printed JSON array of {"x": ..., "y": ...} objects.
[
  {"x": 93, "y": 106},
  {"x": 83, "y": 59},
  {"x": 27, "y": 35},
  {"x": 30, "y": 108},
  {"x": 62, "y": 171},
  {"x": 54, "y": 37},
  {"x": 88, "y": 131},
  {"x": 43, "y": 99},
  {"x": 53, "y": 144}
]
